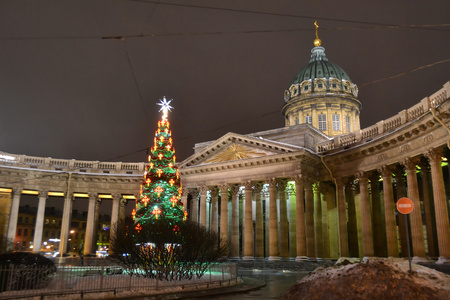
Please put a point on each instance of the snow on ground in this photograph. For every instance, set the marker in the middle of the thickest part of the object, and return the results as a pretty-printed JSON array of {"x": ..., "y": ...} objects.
[{"x": 375, "y": 278}]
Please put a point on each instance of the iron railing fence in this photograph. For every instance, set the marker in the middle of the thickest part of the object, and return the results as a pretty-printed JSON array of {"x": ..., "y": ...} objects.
[{"x": 18, "y": 281}]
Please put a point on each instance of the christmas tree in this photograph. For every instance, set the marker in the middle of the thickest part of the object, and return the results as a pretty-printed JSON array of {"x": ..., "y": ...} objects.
[{"x": 160, "y": 191}]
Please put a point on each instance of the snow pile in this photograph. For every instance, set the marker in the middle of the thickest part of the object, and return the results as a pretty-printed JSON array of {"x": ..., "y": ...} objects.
[{"x": 376, "y": 278}]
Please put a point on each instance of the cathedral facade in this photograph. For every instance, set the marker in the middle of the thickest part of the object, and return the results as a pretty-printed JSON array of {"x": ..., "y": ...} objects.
[{"x": 320, "y": 187}]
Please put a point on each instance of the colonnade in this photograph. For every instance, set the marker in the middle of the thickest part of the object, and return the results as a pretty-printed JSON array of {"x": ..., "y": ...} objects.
[
  {"x": 117, "y": 214},
  {"x": 305, "y": 217}
]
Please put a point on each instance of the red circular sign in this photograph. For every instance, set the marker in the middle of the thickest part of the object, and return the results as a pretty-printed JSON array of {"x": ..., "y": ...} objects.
[{"x": 405, "y": 206}]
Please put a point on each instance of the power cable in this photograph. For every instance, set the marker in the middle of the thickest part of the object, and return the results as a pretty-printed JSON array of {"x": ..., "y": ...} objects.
[
  {"x": 406, "y": 72},
  {"x": 276, "y": 14}
]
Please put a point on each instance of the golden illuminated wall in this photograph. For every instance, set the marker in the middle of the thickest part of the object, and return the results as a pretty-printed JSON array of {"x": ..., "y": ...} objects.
[
  {"x": 297, "y": 111},
  {"x": 5, "y": 208}
]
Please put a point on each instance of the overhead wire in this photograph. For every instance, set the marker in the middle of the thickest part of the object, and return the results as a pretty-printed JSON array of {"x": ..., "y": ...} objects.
[{"x": 275, "y": 14}]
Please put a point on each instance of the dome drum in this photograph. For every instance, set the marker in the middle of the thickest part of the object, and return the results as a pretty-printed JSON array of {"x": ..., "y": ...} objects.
[{"x": 321, "y": 85}]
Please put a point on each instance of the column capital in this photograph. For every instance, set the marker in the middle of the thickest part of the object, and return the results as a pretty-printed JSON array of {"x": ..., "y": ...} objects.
[
  {"x": 299, "y": 178},
  {"x": 362, "y": 176},
  {"x": 214, "y": 191},
  {"x": 272, "y": 182},
  {"x": 16, "y": 191},
  {"x": 92, "y": 195},
  {"x": 258, "y": 187},
  {"x": 434, "y": 155},
  {"x": 234, "y": 189},
  {"x": 43, "y": 193},
  {"x": 224, "y": 187},
  {"x": 184, "y": 191},
  {"x": 124, "y": 202},
  {"x": 341, "y": 181},
  {"x": 410, "y": 163},
  {"x": 194, "y": 193},
  {"x": 203, "y": 189},
  {"x": 116, "y": 196},
  {"x": 385, "y": 171},
  {"x": 281, "y": 184},
  {"x": 248, "y": 185}
]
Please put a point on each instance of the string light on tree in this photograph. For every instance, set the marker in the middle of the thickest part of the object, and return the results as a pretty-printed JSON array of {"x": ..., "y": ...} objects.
[{"x": 160, "y": 191}]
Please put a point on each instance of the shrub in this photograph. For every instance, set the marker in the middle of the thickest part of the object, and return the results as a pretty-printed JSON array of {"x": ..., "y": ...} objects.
[{"x": 158, "y": 251}]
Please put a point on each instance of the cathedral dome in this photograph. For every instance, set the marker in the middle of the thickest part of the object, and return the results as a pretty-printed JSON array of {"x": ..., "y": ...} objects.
[
  {"x": 319, "y": 67},
  {"x": 320, "y": 76},
  {"x": 323, "y": 96}
]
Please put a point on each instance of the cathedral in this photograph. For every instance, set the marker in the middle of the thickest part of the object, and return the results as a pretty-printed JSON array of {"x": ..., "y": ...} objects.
[{"x": 319, "y": 187}]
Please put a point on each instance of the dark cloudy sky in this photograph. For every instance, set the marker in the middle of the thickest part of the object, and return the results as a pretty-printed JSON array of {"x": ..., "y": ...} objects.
[{"x": 68, "y": 91}]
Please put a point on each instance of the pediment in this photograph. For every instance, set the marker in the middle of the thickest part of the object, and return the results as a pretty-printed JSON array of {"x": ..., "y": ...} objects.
[{"x": 233, "y": 146}]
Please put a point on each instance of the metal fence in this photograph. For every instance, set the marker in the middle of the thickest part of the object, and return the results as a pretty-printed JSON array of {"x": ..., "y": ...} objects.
[{"x": 40, "y": 282}]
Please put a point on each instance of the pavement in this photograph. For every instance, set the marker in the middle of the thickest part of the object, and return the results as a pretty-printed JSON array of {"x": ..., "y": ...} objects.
[{"x": 244, "y": 285}]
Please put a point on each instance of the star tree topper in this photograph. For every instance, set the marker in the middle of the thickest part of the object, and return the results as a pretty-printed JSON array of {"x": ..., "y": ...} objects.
[{"x": 165, "y": 107}]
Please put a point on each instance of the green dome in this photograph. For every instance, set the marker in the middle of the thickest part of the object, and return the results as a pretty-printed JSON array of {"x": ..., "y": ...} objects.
[
  {"x": 319, "y": 67},
  {"x": 320, "y": 77}
]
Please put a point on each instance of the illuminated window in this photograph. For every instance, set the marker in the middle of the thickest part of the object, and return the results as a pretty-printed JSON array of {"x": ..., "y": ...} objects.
[
  {"x": 322, "y": 118},
  {"x": 308, "y": 119},
  {"x": 336, "y": 122},
  {"x": 347, "y": 123}
]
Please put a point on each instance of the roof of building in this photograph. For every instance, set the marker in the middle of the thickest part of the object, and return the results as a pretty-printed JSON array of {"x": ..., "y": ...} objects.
[{"x": 320, "y": 67}]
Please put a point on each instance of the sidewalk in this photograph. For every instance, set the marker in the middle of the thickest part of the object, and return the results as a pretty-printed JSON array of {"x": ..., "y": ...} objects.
[{"x": 246, "y": 284}]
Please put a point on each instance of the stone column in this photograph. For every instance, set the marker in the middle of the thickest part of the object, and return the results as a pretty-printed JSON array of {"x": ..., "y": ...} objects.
[
  {"x": 440, "y": 205},
  {"x": 224, "y": 214},
  {"x": 234, "y": 222},
  {"x": 203, "y": 193},
  {"x": 194, "y": 205},
  {"x": 94, "y": 236},
  {"x": 300, "y": 216},
  {"x": 90, "y": 223},
  {"x": 248, "y": 222},
  {"x": 114, "y": 216},
  {"x": 342, "y": 218},
  {"x": 13, "y": 216},
  {"x": 292, "y": 221},
  {"x": 389, "y": 212},
  {"x": 427, "y": 205},
  {"x": 122, "y": 204},
  {"x": 39, "y": 228},
  {"x": 309, "y": 221},
  {"x": 352, "y": 227},
  {"x": 284, "y": 230},
  {"x": 379, "y": 236},
  {"x": 65, "y": 223},
  {"x": 365, "y": 216},
  {"x": 273, "y": 224},
  {"x": 184, "y": 196},
  {"x": 318, "y": 230},
  {"x": 418, "y": 243},
  {"x": 259, "y": 231},
  {"x": 401, "y": 192},
  {"x": 214, "y": 209}
]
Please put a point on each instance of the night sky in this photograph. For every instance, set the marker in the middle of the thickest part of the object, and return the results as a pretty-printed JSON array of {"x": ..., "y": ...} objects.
[{"x": 81, "y": 79}]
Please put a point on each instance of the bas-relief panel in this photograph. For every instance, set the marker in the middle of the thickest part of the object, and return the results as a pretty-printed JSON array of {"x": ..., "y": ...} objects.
[
  {"x": 236, "y": 152},
  {"x": 396, "y": 153}
]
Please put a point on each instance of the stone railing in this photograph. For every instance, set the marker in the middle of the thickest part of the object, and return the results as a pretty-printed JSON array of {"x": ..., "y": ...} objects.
[
  {"x": 70, "y": 164},
  {"x": 388, "y": 125}
]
